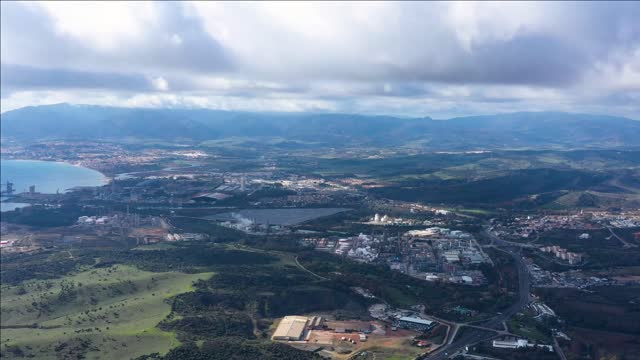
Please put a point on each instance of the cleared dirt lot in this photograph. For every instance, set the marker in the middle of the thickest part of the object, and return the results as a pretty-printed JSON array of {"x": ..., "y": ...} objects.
[{"x": 394, "y": 344}]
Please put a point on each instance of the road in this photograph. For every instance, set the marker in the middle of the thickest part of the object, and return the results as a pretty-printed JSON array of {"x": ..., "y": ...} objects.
[
  {"x": 474, "y": 335},
  {"x": 309, "y": 271},
  {"x": 558, "y": 349},
  {"x": 624, "y": 243}
]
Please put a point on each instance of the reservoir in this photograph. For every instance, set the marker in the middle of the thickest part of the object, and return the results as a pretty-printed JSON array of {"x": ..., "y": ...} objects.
[{"x": 47, "y": 176}]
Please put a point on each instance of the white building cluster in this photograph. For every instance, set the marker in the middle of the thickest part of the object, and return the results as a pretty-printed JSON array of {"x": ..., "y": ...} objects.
[
  {"x": 378, "y": 219},
  {"x": 427, "y": 233},
  {"x": 519, "y": 344},
  {"x": 186, "y": 237},
  {"x": 571, "y": 257},
  {"x": 359, "y": 248},
  {"x": 628, "y": 219},
  {"x": 94, "y": 220}
]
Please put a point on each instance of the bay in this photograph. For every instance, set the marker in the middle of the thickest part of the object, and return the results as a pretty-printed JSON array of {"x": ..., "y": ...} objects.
[{"x": 48, "y": 177}]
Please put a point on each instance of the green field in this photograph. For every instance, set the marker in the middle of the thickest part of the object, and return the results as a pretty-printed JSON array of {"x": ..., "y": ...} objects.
[
  {"x": 156, "y": 246},
  {"x": 400, "y": 349},
  {"x": 529, "y": 328},
  {"x": 106, "y": 313}
]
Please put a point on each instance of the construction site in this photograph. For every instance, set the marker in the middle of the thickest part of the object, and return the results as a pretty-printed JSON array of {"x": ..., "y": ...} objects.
[{"x": 340, "y": 339}]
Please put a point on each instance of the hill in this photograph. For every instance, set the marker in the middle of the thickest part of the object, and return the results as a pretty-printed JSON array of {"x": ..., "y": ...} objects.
[{"x": 549, "y": 130}]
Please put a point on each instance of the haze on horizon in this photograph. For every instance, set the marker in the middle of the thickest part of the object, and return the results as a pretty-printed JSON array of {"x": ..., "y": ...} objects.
[{"x": 413, "y": 59}]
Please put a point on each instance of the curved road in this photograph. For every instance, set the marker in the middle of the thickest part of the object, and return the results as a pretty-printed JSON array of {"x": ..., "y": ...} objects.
[
  {"x": 309, "y": 271},
  {"x": 472, "y": 336}
]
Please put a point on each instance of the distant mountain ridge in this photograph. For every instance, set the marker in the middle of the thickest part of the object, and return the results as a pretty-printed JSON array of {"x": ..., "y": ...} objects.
[{"x": 514, "y": 130}]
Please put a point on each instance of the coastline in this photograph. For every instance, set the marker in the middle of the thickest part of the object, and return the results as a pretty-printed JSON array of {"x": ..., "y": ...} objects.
[
  {"x": 21, "y": 199},
  {"x": 106, "y": 178}
]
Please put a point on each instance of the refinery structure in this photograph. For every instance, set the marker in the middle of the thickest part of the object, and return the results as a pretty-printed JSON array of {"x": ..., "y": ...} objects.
[{"x": 433, "y": 254}]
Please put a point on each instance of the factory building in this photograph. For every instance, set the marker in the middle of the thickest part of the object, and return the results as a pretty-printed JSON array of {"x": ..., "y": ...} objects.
[
  {"x": 451, "y": 256},
  {"x": 317, "y": 322},
  {"x": 291, "y": 328},
  {"x": 415, "y": 323},
  {"x": 514, "y": 343},
  {"x": 510, "y": 343}
]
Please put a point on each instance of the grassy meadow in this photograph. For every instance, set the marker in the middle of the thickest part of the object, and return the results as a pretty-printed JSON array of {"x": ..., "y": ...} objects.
[{"x": 109, "y": 312}]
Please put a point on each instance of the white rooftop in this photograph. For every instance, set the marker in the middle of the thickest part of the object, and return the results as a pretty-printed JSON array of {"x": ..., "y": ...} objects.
[{"x": 416, "y": 320}]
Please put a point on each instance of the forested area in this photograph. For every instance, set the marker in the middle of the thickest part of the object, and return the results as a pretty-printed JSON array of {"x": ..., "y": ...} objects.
[
  {"x": 186, "y": 258},
  {"x": 605, "y": 308},
  {"x": 231, "y": 348},
  {"x": 402, "y": 290},
  {"x": 499, "y": 189}
]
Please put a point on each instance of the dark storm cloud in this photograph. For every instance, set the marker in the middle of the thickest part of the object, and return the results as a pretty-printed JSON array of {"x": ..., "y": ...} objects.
[
  {"x": 28, "y": 37},
  {"x": 606, "y": 23},
  {"x": 196, "y": 50},
  {"x": 530, "y": 59},
  {"x": 18, "y": 77}
]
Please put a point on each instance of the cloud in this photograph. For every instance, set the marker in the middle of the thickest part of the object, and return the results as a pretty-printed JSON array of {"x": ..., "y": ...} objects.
[
  {"x": 101, "y": 25},
  {"x": 415, "y": 58},
  {"x": 441, "y": 42},
  {"x": 23, "y": 77},
  {"x": 160, "y": 83},
  {"x": 108, "y": 37}
]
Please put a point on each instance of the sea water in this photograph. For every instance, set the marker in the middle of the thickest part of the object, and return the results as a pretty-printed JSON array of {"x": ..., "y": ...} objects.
[{"x": 48, "y": 177}]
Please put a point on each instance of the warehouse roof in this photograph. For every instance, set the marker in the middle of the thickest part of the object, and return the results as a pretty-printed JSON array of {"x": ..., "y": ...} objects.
[
  {"x": 416, "y": 320},
  {"x": 290, "y": 328}
]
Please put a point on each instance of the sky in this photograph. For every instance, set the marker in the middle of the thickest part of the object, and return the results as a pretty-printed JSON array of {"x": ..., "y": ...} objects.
[{"x": 398, "y": 58}]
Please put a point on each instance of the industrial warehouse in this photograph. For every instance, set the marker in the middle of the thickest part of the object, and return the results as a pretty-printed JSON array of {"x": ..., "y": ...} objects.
[
  {"x": 329, "y": 336},
  {"x": 415, "y": 323},
  {"x": 291, "y": 328}
]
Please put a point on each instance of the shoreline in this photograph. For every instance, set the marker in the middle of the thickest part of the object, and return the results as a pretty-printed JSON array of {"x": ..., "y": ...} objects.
[
  {"x": 106, "y": 178},
  {"x": 15, "y": 198}
]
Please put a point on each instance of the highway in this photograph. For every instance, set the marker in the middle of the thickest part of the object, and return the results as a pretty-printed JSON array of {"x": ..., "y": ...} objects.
[
  {"x": 474, "y": 335},
  {"x": 624, "y": 243}
]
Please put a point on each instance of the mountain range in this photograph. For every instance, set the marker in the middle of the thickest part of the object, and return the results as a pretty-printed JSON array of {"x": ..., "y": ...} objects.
[{"x": 523, "y": 130}]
